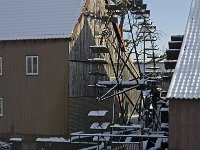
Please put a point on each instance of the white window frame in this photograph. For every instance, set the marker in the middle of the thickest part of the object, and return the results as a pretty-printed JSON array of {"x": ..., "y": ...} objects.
[
  {"x": 1, "y": 66},
  {"x": 31, "y": 73},
  {"x": 1, "y": 106}
]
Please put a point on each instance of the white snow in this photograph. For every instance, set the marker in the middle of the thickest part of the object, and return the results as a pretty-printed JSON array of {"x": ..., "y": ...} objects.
[
  {"x": 99, "y": 126},
  {"x": 128, "y": 139},
  {"x": 157, "y": 132},
  {"x": 164, "y": 109},
  {"x": 98, "y": 113},
  {"x": 36, "y": 19},
  {"x": 145, "y": 145},
  {"x": 76, "y": 137},
  {"x": 52, "y": 139},
  {"x": 156, "y": 135},
  {"x": 132, "y": 126},
  {"x": 157, "y": 144},
  {"x": 16, "y": 139},
  {"x": 98, "y": 60},
  {"x": 4, "y": 145},
  {"x": 102, "y": 138},
  {"x": 147, "y": 92},
  {"x": 164, "y": 125}
]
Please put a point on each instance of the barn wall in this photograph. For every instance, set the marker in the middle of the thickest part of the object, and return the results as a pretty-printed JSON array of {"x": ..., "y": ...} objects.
[
  {"x": 184, "y": 122},
  {"x": 34, "y": 106}
]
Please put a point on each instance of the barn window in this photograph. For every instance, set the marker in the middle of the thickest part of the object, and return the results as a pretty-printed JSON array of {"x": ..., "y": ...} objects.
[
  {"x": 32, "y": 65},
  {"x": 0, "y": 65},
  {"x": 1, "y": 106}
]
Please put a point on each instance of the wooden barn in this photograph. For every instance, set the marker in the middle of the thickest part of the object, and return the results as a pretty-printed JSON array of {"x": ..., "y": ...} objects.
[
  {"x": 44, "y": 66},
  {"x": 184, "y": 91}
]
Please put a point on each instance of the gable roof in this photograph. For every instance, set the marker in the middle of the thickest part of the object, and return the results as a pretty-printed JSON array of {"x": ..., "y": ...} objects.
[
  {"x": 185, "y": 83},
  {"x": 38, "y": 19}
]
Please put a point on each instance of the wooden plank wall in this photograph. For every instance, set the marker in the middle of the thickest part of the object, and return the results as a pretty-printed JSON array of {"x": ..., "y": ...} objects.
[
  {"x": 184, "y": 124},
  {"x": 34, "y": 106},
  {"x": 79, "y": 53}
]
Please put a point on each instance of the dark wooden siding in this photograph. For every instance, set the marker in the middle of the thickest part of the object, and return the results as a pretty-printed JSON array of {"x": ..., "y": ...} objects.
[
  {"x": 34, "y": 105},
  {"x": 184, "y": 124}
]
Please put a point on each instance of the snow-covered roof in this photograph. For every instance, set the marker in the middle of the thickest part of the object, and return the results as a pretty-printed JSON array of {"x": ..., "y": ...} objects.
[
  {"x": 38, "y": 19},
  {"x": 185, "y": 83}
]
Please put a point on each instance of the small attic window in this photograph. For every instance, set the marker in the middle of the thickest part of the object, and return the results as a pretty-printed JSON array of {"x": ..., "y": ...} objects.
[{"x": 31, "y": 65}]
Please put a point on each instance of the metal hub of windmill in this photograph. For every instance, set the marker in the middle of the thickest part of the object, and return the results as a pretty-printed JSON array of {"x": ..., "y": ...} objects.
[{"x": 146, "y": 126}]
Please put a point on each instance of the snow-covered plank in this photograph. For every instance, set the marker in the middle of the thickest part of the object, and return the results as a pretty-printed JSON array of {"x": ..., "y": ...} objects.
[
  {"x": 128, "y": 139},
  {"x": 101, "y": 126},
  {"x": 98, "y": 113},
  {"x": 96, "y": 86},
  {"x": 157, "y": 132},
  {"x": 132, "y": 126},
  {"x": 164, "y": 109},
  {"x": 157, "y": 144},
  {"x": 102, "y": 138},
  {"x": 124, "y": 83},
  {"x": 77, "y": 133},
  {"x": 145, "y": 145},
  {"x": 52, "y": 139},
  {"x": 16, "y": 139},
  {"x": 130, "y": 135},
  {"x": 156, "y": 135},
  {"x": 98, "y": 61}
]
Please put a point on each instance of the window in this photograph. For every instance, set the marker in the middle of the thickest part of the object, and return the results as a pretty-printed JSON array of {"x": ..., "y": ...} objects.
[
  {"x": 31, "y": 65},
  {"x": 1, "y": 106},
  {"x": 0, "y": 66}
]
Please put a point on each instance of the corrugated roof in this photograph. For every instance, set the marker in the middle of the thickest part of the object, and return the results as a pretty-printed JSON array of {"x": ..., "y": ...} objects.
[
  {"x": 38, "y": 19},
  {"x": 185, "y": 83}
]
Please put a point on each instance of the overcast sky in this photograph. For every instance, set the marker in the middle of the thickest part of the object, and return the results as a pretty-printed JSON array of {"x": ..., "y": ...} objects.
[{"x": 170, "y": 16}]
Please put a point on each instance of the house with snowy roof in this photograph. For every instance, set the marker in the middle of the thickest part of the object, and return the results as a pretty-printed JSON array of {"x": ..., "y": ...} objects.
[
  {"x": 184, "y": 90},
  {"x": 44, "y": 52}
]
